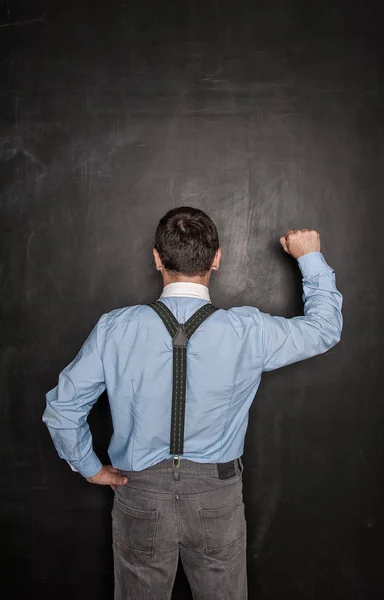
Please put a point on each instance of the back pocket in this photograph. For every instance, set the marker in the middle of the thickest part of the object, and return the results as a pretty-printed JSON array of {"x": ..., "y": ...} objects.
[
  {"x": 134, "y": 529},
  {"x": 224, "y": 529}
]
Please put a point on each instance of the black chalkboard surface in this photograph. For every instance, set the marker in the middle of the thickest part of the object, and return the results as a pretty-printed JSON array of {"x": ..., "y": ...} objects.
[{"x": 267, "y": 115}]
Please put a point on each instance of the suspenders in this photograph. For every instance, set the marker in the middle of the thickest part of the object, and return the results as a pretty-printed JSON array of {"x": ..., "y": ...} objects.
[{"x": 180, "y": 333}]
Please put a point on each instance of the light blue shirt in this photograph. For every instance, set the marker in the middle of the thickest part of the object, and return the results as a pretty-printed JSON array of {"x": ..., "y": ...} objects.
[{"x": 129, "y": 354}]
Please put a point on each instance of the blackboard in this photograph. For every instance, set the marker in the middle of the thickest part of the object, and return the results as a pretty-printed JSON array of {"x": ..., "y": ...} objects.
[{"x": 268, "y": 115}]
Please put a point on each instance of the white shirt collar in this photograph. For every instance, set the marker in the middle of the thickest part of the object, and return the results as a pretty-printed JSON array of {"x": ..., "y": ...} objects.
[{"x": 186, "y": 289}]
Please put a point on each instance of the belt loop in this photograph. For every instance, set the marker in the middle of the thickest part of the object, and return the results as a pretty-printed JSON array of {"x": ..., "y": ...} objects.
[{"x": 240, "y": 463}]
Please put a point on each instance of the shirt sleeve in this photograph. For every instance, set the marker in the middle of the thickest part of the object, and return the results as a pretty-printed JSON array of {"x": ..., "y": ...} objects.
[
  {"x": 69, "y": 403},
  {"x": 287, "y": 341}
]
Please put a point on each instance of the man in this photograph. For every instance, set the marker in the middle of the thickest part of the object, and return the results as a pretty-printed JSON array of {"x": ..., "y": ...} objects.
[{"x": 181, "y": 377}]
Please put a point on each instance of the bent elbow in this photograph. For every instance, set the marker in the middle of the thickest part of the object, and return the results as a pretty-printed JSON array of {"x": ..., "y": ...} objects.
[
  {"x": 330, "y": 332},
  {"x": 331, "y": 338}
]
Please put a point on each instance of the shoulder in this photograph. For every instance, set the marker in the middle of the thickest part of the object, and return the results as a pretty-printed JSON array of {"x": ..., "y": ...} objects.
[
  {"x": 240, "y": 317},
  {"x": 122, "y": 316}
]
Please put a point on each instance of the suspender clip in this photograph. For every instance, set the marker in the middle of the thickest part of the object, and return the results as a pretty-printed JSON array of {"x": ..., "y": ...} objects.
[
  {"x": 176, "y": 462},
  {"x": 180, "y": 340}
]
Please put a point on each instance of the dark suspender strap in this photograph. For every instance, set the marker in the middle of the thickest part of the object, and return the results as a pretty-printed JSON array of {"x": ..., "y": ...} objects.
[
  {"x": 180, "y": 334},
  {"x": 166, "y": 316},
  {"x": 198, "y": 318}
]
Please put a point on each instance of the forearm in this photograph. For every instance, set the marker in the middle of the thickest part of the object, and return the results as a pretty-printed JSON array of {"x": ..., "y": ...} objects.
[
  {"x": 322, "y": 300},
  {"x": 70, "y": 434}
]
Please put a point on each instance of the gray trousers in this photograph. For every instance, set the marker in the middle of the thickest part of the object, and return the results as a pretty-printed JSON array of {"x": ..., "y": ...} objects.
[{"x": 167, "y": 511}]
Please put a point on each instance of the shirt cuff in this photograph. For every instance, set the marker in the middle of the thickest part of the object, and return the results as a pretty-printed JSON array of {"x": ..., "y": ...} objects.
[
  {"x": 312, "y": 264},
  {"x": 88, "y": 467}
]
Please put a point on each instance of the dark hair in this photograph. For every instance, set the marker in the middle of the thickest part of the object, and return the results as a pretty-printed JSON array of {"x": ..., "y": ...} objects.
[{"x": 187, "y": 241}]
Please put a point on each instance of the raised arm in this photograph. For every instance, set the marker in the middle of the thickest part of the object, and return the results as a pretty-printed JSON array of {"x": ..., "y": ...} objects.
[{"x": 286, "y": 341}]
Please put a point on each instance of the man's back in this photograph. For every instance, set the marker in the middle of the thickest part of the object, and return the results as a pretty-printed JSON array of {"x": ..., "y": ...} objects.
[{"x": 225, "y": 360}]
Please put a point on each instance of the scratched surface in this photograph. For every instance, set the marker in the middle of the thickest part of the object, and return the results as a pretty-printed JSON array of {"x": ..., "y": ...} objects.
[{"x": 269, "y": 115}]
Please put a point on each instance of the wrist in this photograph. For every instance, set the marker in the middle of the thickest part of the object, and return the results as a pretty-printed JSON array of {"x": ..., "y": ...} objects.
[
  {"x": 88, "y": 466},
  {"x": 312, "y": 263}
]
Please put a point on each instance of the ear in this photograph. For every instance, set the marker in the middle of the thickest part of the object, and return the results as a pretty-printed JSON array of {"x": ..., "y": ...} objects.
[
  {"x": 157, "y": 259},
  {"x": 216, "y": 260}
]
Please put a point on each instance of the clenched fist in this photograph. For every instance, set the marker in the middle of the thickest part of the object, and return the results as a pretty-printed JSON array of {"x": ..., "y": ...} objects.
[
  {"x": 298, "y": 242},
  {"x": 108, "y": 475}
]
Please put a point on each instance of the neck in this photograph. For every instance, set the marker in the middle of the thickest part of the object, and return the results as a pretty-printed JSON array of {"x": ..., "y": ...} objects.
[{"x": 169, "y": 277}]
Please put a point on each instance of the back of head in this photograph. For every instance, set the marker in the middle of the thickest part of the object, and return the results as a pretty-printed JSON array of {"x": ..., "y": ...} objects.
[{"x": 187, "y": 241}]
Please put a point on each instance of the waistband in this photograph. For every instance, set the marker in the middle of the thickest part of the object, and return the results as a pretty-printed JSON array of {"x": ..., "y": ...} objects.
[{"x": 221, "y": 470}]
